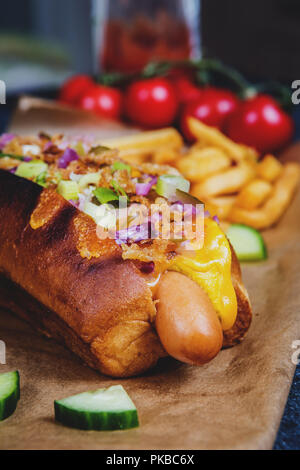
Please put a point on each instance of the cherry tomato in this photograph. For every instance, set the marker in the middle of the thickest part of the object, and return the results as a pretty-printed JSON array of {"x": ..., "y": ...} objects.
[
  {"x": 73, "y": 88},
  {"x": 186, "y": 90},
  {"x": 151, "y": 102},
  {"x": 212, "y": 108},
  {"x": 261, "y": 123},
  {"x": 102, "y": 100}
]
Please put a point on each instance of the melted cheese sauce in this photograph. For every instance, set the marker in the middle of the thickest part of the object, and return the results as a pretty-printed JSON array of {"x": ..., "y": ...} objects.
[{"x": 210, "y": 267}]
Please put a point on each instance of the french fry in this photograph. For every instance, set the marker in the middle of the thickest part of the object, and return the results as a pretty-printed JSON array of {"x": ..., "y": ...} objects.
[
  {"x": 168, "y": 137},
  {"x": 165, "y": 156},
  {"x": 208, "y": 152},
  {"x": 200, "y": 164},
  {"x": 220, "y": 206},
  {"x": 228, "y": 182},
  {"x": 254, "y": 194},
  {"x": 136, "y": 156},
  {"x": 269, "y": 168},
  {"x": 250, "y": 153},
  {"x": 212, "y": 136},
  {"x": 198, "y": 146},
  {"x": 225, "y": 175},
  {"x": 275, "y": 206}
]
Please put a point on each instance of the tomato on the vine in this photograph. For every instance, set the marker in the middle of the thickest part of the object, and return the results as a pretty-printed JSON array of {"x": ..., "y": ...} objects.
[
  {"x": 261, "y": 123},
  {"x": 151, "y": 102},
  {"x": 74, "y": 87},
  {"x": 186, "y": 90},
  {"x": 213, "y": 108},
  {"x": 102, "y": 100}
]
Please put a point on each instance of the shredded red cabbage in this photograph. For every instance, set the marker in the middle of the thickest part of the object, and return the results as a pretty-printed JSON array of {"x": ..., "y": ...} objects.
[
  {"x": 47, "y": 146},
  {"x": 177, "y": 206},
  {"x": 216, "y": 219},
  {"x": 74, "y": 203},
  {"x": 5, "y": 139},
  {"x": 134, "y": 234},
  {"x": 189, "y": 209},
  {"x": 69, "y": 156},
  {"x": 143, "y": 189}
]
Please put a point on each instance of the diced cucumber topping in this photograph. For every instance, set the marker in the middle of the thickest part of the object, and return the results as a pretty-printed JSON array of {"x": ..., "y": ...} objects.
[
  {"x": 68, "y": 190},
  {"x": 79, "y": 148},
  {"x": 247, "y": 242},
  {"x": 102, "y": 215},
  {"x": 102, "y": 410},
  {"x": 168, "y": 184},
  {"x": 86, "y": 180},
  {"x": 31, "y": 170},
  {"x": 105, "y": 195},
  {"x": 9, "y": 393}
]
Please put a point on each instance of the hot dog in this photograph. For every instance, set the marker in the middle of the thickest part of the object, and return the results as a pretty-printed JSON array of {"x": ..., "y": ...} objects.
[
  {"x": 186, "y": 321},
  {"x": 122, "y": 303}
]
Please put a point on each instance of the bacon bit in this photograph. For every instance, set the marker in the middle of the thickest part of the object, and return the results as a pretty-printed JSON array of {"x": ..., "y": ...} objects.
[
  {"x": 88, "y": 243},
  {"x": 77, "y": 167},
  {"x": 44, "y": 136},
  {"x": 105, "y": 177},
  {"x": 124, "y": 180},
  {"x": 156, "y": 250},
  {"x": 105, "y": 157},
  {"x": 156, "y": 170},
  {"x": 8, "y": 163},
  {"x": 141, "y": 200},
  {"x": 53, "y": 150}
]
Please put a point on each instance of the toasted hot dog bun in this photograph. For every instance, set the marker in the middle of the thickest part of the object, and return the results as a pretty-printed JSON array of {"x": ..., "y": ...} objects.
[
  {"x": 86, "y": 295},
  {"x": 77, "y": 289},
  {"x": 244, "y": 314}
]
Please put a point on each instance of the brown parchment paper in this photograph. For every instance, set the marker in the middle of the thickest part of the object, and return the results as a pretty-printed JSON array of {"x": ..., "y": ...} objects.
[{"x": 235, "y": 402}]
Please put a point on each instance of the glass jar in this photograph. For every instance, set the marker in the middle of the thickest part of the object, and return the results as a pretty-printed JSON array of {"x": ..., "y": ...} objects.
[{"x": 128, "y": 34}]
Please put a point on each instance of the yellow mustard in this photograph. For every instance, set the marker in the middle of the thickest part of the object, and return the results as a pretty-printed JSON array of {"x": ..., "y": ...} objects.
[{"x": 211, "y": 269}]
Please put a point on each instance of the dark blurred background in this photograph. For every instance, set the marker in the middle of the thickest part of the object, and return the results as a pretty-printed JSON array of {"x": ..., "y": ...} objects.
[
  {"x": 261, "y": 38},
  {"x": 43, "y": 41}
]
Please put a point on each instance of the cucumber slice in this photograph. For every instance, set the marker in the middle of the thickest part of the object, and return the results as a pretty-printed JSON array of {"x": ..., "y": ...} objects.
[
  {"x": 247, "y": 242},
  {"x": 9, "y": 393},
  {"x": 102, "y": 410}
]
